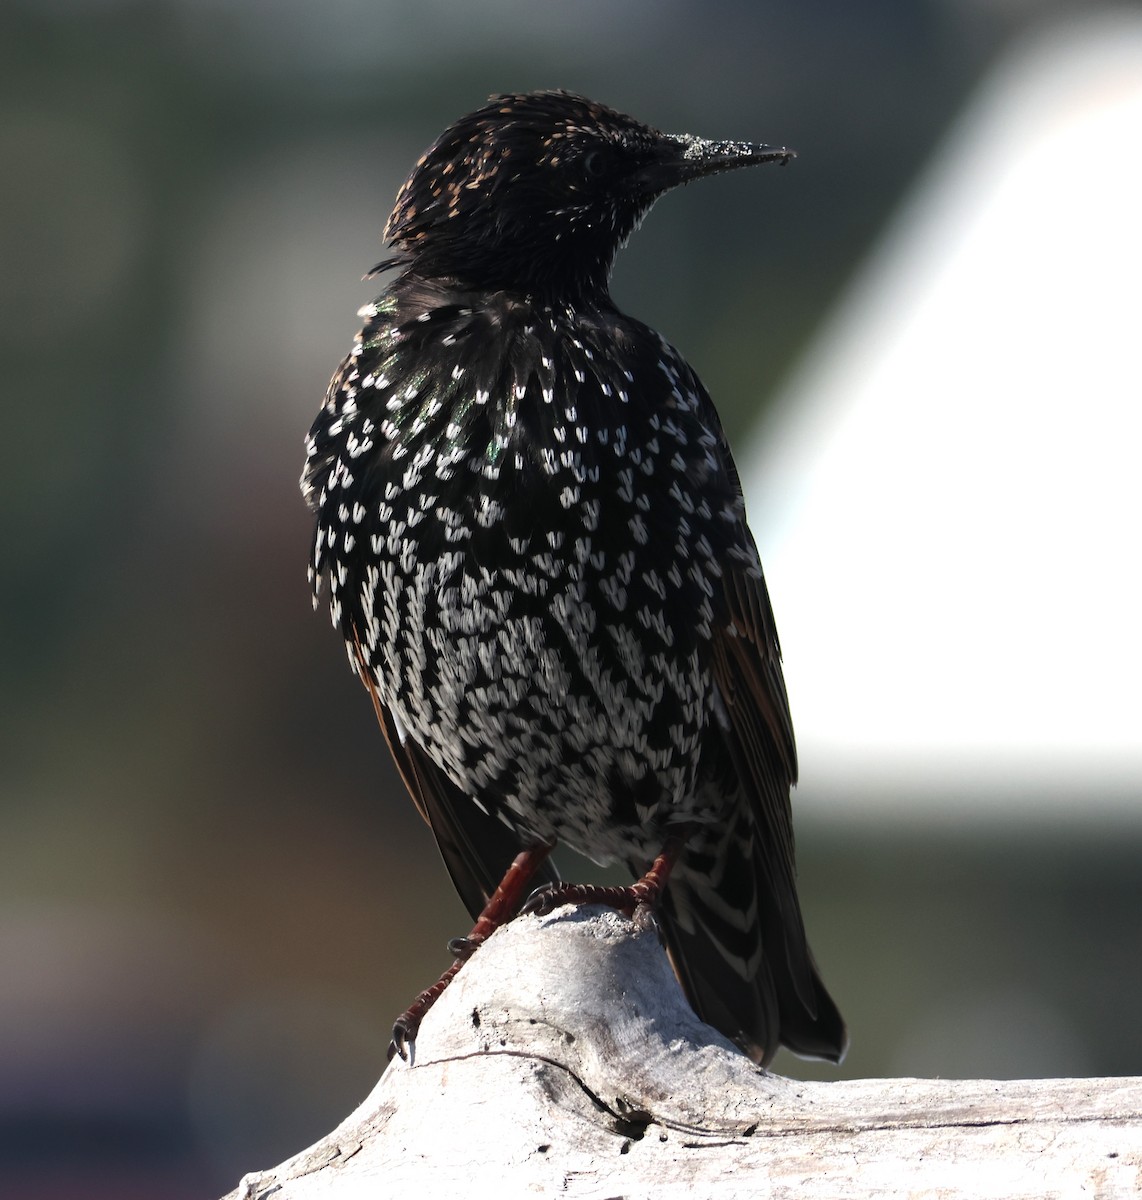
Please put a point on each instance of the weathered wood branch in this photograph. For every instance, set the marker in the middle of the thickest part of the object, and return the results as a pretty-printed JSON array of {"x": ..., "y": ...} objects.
[{"x": 565, "y": 1060}]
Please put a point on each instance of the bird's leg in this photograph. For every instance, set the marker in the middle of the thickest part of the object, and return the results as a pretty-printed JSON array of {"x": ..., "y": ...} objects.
[
  {"x": 499, "y": 909},
  {"x": 643, "y": 893}
]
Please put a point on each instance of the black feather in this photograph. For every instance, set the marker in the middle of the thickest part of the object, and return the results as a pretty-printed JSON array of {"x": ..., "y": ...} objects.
[{"x": 536, "y": 548}]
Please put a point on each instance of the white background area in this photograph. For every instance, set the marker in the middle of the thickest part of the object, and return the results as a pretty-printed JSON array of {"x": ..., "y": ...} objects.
[{"x": 949, "y": 498}]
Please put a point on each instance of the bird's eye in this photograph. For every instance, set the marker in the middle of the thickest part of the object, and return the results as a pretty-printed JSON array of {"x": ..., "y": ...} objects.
[{"x": 594, "y": 164}]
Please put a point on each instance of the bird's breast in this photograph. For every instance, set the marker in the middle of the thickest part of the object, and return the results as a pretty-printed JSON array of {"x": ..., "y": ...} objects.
[{"x": 525, "y": 557}]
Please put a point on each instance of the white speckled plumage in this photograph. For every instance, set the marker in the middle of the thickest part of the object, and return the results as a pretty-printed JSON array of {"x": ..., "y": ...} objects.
[
  {"x": 563, "y": 705},
  {"x": 536, "y": 550}
]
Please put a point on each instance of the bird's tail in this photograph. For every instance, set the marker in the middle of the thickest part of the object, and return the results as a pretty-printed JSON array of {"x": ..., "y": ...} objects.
[{"x": 740, "y": 952}]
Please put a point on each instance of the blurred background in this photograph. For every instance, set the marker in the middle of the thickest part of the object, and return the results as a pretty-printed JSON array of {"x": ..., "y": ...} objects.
[{"x": 923, "y": 337}]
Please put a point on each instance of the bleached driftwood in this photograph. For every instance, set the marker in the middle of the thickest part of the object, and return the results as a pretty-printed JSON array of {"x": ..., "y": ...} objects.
[{"x": 564, "y": 1060}]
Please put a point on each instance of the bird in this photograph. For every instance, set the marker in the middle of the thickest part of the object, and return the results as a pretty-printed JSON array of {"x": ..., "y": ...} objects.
[{"x": 536, "y": 551}]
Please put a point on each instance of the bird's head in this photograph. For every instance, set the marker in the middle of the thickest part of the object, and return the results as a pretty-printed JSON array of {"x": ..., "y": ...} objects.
[{"x": 537, "y": 192}]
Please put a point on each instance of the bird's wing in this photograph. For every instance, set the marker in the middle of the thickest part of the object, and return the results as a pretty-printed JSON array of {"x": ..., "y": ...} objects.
[
  {"x": 477, "y": 848},
  {"x": 755, "y": 724},
  {"x": 731, "y": 916},
  {"x": 732, "y": 920}
]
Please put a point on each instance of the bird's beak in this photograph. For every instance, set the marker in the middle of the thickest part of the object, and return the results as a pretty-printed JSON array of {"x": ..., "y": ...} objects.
[{"x": 685, "y": 158}]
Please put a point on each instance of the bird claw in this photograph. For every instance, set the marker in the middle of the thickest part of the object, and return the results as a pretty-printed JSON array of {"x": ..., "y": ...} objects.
[
  {"x": 463, "y": 947},
  {"x": 539, "y": 903},
  {"x": 403, "y": 1040},
  {"x": 546, "y": 899}
]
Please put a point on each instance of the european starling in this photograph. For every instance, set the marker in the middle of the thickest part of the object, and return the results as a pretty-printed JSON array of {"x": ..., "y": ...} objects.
[{"x": 538, "y": 557}]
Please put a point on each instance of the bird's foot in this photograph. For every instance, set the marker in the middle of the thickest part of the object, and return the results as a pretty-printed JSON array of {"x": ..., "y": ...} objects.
[
  {"x": 499, "y": 909},
  {"x": 547, "y": 899},
  {"x": 407, "y": 1025},
  {"x": 463, "y": 948},
  {"x": 642, "y": 896}
]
